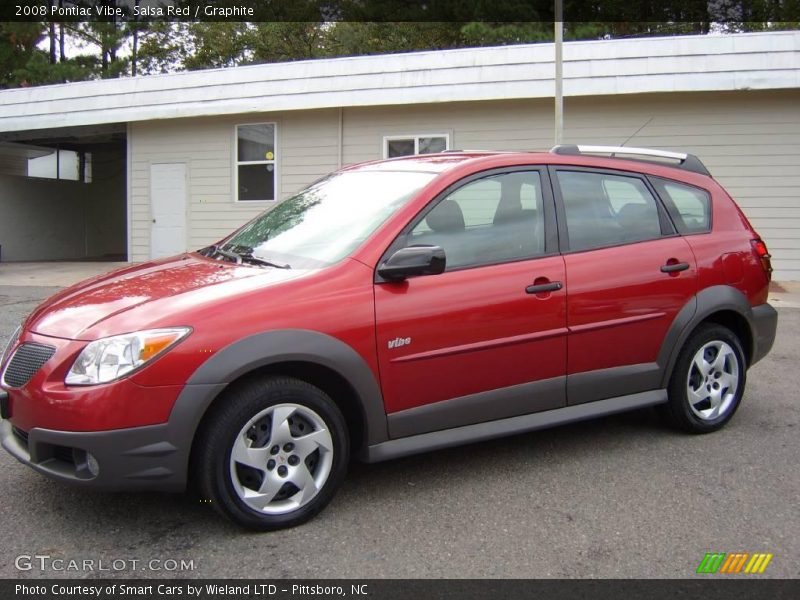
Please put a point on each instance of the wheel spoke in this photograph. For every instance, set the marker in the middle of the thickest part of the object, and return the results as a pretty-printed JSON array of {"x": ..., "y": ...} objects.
[
  {"x": 728, "y": 382},
  {"x": 722, "y": 356},
  {"x": 304, "y": 480},
  {"x": 701, "y": 364},
  {"x": 712, "y": 413},
  {"x": 266, "y": 493},
  {"x": 307, "y": 444},
  {"x": 280, "y": 425},
  {"x": 716, "y": 403},
  {"x": 250, "y": 457},
  {"x": 696, "y": 396}
]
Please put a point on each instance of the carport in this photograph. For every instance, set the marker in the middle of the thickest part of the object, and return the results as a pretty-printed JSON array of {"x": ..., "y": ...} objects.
[{"x": 64, "y": 194}]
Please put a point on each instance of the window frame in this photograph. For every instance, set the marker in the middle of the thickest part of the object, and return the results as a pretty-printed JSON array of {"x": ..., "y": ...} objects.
[
  {"x": 416, "y": 138},
  {"x": 551, "y": 247},
  {"x": 84, "y": 158},
  {"x": 669, "y": 204},
  {"x": 237, "y": 163},
  {"x": 667, "y": 227}
]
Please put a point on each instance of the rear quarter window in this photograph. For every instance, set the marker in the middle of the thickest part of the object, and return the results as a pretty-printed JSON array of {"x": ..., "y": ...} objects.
[{"x": 689, "y": 206}]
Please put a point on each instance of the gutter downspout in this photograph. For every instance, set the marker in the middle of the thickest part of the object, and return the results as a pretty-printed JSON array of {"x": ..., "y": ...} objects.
[
  {"x": 558, "y": 25},
  {"x": 340, "y": 149}
]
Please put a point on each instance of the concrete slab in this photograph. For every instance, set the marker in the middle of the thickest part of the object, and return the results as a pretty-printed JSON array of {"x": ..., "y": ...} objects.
[
  {"x": 785, "y": 294},
  {"x": 58, "y": 273}
]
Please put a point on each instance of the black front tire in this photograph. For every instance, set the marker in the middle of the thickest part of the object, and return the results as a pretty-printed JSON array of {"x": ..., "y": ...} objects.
[{"x": 218, "y": 478}]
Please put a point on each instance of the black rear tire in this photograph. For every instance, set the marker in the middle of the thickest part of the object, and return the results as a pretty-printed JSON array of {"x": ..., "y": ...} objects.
[
  {"x": 222, "y": 482},
  {"x": 686, "y": 376}
]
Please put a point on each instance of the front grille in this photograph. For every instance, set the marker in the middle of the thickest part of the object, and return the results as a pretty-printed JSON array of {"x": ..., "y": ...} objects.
[{"x": 24, "y": 363}]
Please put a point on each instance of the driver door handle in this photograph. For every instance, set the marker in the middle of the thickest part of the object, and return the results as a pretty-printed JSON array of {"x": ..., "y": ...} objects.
[
  {"x": 541, "y": 288},
  {"x": 674, "y": 267}
]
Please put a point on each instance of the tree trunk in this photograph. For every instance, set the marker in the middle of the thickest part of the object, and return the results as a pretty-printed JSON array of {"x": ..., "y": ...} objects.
[
  {"x": 61, "y": 54},
  {"x": 52, "y": 35},
  {"x": 135, "y": 45},
  {"x": 112, "y": 50},
  {"x": 134, "y": 51}
]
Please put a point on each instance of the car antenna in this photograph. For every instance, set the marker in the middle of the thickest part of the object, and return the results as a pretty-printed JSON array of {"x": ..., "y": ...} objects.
[{"x": 635, "y": 133}]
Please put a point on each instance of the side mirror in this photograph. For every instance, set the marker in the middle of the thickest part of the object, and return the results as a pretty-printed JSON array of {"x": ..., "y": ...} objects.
[{"x": 411, "y": 261}]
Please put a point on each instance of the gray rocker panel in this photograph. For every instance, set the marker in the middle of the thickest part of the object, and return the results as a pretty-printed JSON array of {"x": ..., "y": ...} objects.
[
  {"x": 506, "y": 402},
  {"x": 479, "y": 432}
]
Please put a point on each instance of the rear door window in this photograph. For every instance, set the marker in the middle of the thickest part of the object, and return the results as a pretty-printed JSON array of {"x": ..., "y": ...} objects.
[{"x": 604, "y": 209}]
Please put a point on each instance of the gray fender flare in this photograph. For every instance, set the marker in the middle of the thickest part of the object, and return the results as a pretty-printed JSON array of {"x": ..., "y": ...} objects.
[
  {"x": 272, "y": 347},
  {"x": 695, "y": 311}
]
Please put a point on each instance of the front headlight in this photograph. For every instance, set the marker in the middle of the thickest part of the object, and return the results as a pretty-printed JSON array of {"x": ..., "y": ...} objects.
[
  {"x": 110, "y": 358},
  {"x": 11, "y": 342}
]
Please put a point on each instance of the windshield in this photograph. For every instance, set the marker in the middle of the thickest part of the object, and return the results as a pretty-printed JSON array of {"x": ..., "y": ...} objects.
[{"x": 326, "y": 221}]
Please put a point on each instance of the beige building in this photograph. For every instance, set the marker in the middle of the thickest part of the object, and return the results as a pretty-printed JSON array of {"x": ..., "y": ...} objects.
[{"x": 151, "y": 166}]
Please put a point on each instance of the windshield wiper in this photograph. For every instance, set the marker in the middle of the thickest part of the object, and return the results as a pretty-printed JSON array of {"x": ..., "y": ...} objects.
[
  {"x": 213, "y": 250},
  {"x": 255, "y": 260},
  {"x": 241, "y": 257}
]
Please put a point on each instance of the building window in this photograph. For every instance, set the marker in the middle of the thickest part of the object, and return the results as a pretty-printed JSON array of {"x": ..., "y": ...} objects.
[
  {"x": 408, "y": 145},
  {"x": 255, "y": 162},
  {"x": 67, "y": 165}
]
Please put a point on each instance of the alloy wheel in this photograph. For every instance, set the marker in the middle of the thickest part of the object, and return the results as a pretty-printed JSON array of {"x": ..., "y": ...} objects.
[
  {"x": 713, "y": 380},
  {"x": 281, "y": 459}
]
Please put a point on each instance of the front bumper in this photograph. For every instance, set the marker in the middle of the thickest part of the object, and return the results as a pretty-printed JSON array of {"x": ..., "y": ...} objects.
[
  {"x": 128, "y": 459},
  {"x": 764, "y": 325},
  {"x": 116, "y": 436},
  {"x": 149, "y": 457}
]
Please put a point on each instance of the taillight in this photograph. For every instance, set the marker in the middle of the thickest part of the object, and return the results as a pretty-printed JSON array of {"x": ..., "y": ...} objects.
[{"x": 760, "y": 248}]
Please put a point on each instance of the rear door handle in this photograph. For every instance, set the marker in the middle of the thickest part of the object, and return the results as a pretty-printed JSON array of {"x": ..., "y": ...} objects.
[
  {"x": 541, "y": 288},
  {"x": 674, "y": 267}
]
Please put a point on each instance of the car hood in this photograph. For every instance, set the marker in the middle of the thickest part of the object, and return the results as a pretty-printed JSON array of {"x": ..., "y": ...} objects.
[{"x": 155, "y": 290}]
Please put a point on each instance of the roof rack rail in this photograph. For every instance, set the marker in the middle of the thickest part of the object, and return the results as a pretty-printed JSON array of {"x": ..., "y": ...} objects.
[
  {"x": 687, "y": 162},
  {"x": 475, "y": 150}
]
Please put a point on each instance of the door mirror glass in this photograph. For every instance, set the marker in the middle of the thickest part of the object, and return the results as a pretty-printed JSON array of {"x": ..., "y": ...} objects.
[{"x": 413, "y": 261}]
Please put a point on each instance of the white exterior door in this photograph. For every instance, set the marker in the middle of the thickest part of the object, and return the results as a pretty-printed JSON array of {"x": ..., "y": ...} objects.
[{"x": 168, "y": 209}]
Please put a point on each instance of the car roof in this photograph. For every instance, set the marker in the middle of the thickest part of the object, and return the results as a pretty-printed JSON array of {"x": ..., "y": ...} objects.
[
  {"x": 449, "y": 160},
  {"x": 430, "y": 163}
]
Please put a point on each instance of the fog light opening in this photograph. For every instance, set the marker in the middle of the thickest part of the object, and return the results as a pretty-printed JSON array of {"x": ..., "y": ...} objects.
[
  {"x": 86, "y": 465},
  {"x": 92, "y": 464}
]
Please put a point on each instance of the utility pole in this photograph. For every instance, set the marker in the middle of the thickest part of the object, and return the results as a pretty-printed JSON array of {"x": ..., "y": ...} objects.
[{"x": 559, "y": 83}]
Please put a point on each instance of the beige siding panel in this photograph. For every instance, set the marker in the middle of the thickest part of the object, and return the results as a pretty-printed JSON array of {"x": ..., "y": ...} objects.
[
  {"x": 756, "y": 212},
  {"x": 508, "y": 125},
  {"x": 307, "y": 149},
  {"x": 749, "y": 140}
]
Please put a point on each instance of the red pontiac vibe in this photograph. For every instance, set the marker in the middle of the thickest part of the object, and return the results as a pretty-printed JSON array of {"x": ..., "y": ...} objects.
[{"x": 391, "y": 308}]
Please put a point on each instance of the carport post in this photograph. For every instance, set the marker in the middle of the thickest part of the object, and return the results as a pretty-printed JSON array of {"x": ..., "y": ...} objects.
[{"x": 559, "y": 92}]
